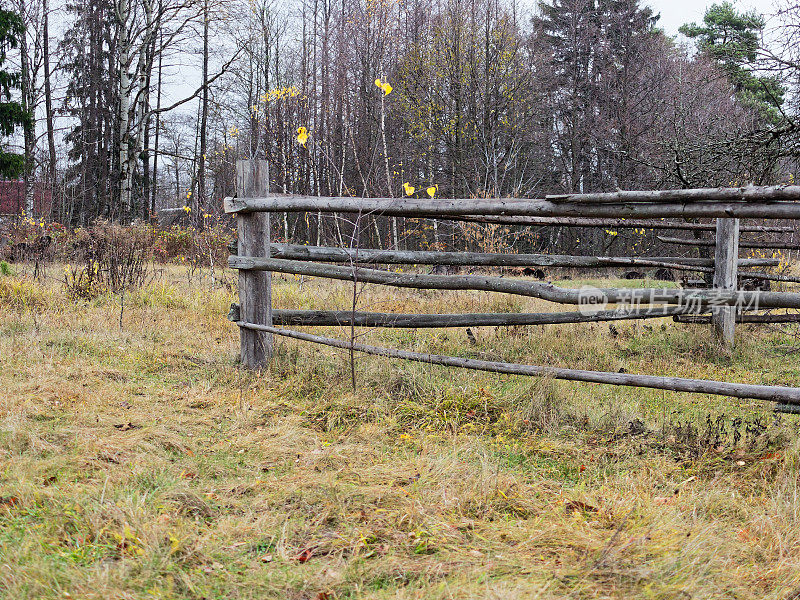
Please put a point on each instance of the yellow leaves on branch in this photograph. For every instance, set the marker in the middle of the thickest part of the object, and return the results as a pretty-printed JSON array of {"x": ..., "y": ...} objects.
[
  {"x": 409, "y": 189},
  {"x": 432, "y": 190},
  {"x": 385, "y": 86},
  {"x": 302, "y": 135},
  {"x": 280, "y": 94}
]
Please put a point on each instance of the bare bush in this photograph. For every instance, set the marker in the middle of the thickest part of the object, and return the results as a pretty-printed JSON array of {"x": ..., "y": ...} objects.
[{"x": 109, "y": 258}]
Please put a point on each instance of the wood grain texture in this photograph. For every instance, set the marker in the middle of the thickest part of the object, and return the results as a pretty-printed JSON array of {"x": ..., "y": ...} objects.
[
  {"x": 767, "y": 208},
  {"x": 726, "y": 252},
  {"x": 255, "y": 287},
  {"x": 485, "y": 259},
  {"x": 332, "y": 318}
]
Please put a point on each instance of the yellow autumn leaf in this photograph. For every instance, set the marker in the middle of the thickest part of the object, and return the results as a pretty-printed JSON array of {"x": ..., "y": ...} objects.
[
  {"x": 302, "y": 135},
  {"x": 387, "y": 89},
  {"x": 432, "y": 190},
  {"x": 409, "y": 189}
]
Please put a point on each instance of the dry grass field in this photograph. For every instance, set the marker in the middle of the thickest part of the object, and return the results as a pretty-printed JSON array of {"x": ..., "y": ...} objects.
[{"x": 137, "y": 461}]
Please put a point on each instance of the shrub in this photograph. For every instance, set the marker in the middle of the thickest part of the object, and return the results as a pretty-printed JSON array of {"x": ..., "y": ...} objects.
[
  {"x": 196, "y": 246},
  {"x": 5, "y": 268},
  {"x": 111, "y": 258}
]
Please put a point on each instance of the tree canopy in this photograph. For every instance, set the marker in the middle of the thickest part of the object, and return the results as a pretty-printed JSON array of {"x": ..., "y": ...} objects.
[{"x": 732, "y": 39}]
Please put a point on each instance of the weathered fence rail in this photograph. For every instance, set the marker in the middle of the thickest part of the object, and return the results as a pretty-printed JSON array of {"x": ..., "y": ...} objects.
[
  {"x": 788, "y": 395},
  {"x": 532, "y": 289},
  {"x": 748, "y": 193},
  {"x": 404, "y": 207},
  {"x": 322, "y": 318},
  {"x": 366, "y": 256},
  {"x": 742, "y": 318},
  {"x": 765, "y": 245},
  {"x": 617, "y": 223},
  {"x": 256, "y": 258},
  {"x": 486, "y": 259}
]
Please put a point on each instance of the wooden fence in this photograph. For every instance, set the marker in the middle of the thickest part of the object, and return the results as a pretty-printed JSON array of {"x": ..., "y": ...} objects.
[{"x": 256, "y": 258}]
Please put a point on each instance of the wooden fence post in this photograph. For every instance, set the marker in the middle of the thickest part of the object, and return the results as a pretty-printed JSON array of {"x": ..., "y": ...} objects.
[
  {"x": 255, "y": 288},
  {"x": 726, "y": 255}
]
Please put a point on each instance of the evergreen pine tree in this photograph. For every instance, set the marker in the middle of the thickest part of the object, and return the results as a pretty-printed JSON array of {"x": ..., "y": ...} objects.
[
  {"x": 12, "y": 114},
  {"x": 731, "y": 38}
]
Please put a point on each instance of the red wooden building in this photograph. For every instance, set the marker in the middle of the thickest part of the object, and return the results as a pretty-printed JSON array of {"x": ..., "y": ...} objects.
[{"x": 12, "y": 198}]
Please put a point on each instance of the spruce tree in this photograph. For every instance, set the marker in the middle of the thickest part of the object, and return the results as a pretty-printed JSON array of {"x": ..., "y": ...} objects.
[
  {"x": 12, "y": 114},
  {"x": 91, "y": 101}
]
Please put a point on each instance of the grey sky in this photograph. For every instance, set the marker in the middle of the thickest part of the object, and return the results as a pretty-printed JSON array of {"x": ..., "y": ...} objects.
[{"x": 675, "y": 13}]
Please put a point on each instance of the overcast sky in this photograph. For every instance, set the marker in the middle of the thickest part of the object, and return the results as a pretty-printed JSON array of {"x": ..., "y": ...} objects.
[{"x": 675, "y": 13}]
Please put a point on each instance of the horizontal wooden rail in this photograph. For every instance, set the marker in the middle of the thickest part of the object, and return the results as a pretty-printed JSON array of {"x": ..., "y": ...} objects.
[
  {"x": 487, "y": 259},
  {"x": 749, "y": 193},
  {"x": 785, "y": 395},
  {"x": 742, "y": 244},
  {"x": 544, "y": 291},
  {"x": 332, "y": 318},
  {"x": 410, "y": 207},
  {"x": 616, "y": 223},
  {"x": 482, "y": 259},
  {"x": 703, "y": 319},
  {"x": 767, "y": 276}
]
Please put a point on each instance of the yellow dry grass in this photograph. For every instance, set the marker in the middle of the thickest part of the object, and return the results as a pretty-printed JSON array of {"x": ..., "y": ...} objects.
[{"x": 141, "y": 462}]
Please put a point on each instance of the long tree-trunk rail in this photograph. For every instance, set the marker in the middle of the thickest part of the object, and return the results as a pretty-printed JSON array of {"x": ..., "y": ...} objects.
[
  {"x": 785, "y": 395},
  {"x": 615, "y": 223},
  {"x": 334, "y": 318},
  {"x": 487, "y": 259},
  {"x": 742, "y": 244},
  {"x": 533, "y": 289},
  {"x": 767, "y": 318},
  {"x": 405, "y": 207},
  {"x": 748, "y": 193}
]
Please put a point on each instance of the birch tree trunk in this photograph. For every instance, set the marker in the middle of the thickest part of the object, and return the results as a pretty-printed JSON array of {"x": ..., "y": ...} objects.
[
  {"x": 154, "y": 185},
  {"x": 48, "y": 95},
  {"x": 201, "y": 171},
  {"x": 122, "y": 13},
  {"x": 27, "y": 86}
]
